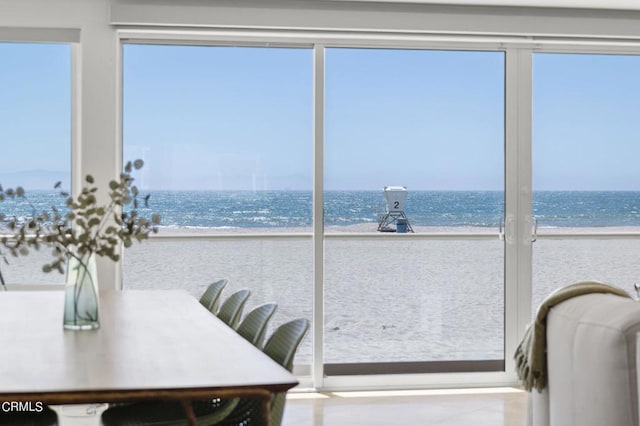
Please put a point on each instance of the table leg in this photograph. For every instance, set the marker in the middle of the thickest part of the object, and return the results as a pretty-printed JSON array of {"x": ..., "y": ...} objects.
[
  {"x": 266, "y": 408},
  {"x": 188, "y": 411}
]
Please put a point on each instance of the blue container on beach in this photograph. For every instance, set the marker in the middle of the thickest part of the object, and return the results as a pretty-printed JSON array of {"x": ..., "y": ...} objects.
[{"x": 401, "y": 226}]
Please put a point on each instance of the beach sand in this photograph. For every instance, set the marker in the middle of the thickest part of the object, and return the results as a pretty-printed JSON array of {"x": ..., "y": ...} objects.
[{"x": 385, "y": 299}]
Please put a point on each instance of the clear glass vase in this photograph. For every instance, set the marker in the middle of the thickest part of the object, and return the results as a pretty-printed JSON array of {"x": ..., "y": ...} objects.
[{"x": 81, "y": 298}]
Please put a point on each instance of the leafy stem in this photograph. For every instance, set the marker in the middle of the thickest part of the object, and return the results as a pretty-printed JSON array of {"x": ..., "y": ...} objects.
[{"x": 83, "y": 227}]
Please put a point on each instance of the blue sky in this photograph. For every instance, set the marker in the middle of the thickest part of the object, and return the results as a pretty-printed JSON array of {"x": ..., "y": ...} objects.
[
  {"x": 586, "y": 132},
  {"x": 241, "y": 118},
  {"x": 35, "y": 112}
]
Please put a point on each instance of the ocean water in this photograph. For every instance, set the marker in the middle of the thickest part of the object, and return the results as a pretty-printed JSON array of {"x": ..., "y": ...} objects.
[{"x": 273, "y": 209}]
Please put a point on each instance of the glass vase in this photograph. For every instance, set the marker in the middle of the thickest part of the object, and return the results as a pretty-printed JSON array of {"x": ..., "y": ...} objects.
[{"x": 81, "y": 300}]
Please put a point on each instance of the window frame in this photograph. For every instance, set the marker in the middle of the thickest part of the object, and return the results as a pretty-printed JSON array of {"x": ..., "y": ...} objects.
[{"x": 317, "y": 376}]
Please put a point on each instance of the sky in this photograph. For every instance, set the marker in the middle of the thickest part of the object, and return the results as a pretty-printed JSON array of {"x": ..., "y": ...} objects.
[
  {"x": 35, "y": 113},
  {"x": 236, "y": 118}
]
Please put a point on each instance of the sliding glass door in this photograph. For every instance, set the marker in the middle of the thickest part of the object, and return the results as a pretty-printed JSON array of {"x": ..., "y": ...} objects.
[{"x": 414, "y": 282}]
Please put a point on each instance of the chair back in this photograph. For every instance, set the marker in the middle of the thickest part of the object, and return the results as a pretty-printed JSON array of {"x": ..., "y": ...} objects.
[
  {"x": 231, "y": 309},
  {"x": 254, "y": 325},
  {"x": 282, "y": 347},
  {"x": 210, "y": 299}
]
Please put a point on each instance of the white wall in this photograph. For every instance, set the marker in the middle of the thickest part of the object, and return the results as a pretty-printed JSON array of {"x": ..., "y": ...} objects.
[{"x": 378, "y": 16}]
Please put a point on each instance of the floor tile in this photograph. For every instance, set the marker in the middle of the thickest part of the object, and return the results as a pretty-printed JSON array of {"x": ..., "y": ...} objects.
[{"x": 478, "y": 407}]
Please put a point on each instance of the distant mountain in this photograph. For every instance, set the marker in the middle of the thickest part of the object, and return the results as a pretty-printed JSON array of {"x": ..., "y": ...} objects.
[{"x": 35, "y": 179}]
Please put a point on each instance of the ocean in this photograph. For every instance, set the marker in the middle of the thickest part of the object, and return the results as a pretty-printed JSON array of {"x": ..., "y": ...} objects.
[{"x": 273, "y": 209}]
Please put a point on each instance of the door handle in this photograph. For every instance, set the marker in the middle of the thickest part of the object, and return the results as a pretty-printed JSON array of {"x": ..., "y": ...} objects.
[{"x": 506, "y": 231}]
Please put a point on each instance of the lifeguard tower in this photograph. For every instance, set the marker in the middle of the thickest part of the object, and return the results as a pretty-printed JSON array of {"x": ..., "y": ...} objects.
[{"x": 395, "y": 196}]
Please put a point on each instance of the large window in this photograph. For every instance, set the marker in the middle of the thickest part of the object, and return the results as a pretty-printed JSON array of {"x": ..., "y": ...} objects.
[
  {"x": 249, "y": 132},
  {"x": 35, "y": 139},
  {"x": 227, "y": 134}
]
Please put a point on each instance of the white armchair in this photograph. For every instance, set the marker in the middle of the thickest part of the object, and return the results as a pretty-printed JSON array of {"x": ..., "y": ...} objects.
[{"x": 592, "y": 358}]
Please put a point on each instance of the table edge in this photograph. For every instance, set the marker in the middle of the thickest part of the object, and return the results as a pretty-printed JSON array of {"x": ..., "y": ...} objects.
[{"x": 92, "y": 396}]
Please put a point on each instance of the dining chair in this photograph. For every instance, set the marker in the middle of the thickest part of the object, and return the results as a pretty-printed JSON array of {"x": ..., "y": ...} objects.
[
  {"x": 281, "y": 347},
  {"x": 168, "y": 413},
  {"x": 254, "y": 325},
  {"x": 46, "y": 417},
  {"x": 231, "y": 309},
  {"x": 210, "y": 299}
]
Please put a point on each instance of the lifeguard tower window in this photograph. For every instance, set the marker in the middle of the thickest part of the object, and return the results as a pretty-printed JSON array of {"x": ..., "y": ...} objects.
[{"x": 394, "y": 219}]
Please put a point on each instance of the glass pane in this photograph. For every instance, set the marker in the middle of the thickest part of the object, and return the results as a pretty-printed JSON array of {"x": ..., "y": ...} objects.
[
  {"x": 35, "y": 137},
  {"x": 586, "y": 178},
  {"x": 219, "y": 119},
  {"x": 413, "y": 294},
  {"x": 430, "y": 124},
  {"x": 226, "y": 135},
  {"x": 559, "y": 262}
]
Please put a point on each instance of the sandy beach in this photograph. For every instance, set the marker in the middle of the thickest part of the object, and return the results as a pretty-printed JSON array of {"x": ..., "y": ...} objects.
[{"x": 385, "y": 299}]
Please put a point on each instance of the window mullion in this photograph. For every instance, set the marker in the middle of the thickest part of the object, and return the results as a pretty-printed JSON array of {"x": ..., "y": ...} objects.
[
  {"x": 518, "y": 199},
  {"x": 317, "y": 371}
]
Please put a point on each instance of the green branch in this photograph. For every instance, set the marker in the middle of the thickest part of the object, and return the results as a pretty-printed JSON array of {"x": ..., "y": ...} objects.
[{"x": 87, "y": 228}]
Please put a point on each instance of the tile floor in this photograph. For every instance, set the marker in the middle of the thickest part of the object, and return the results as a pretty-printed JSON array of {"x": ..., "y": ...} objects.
[
  {"x": 460, "y": 407},
  {"x": 455, "y": 407}
]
